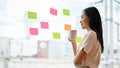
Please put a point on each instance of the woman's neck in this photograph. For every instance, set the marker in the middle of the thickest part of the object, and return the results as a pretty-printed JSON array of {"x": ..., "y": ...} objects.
[{"x": 88, "y": 29}]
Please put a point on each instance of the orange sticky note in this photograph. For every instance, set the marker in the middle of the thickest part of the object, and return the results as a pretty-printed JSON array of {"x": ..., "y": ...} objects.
[
  {"x": 44, "y": 25},
  {"x": 67, "y": 27},
  {"x": 53, "y": 11},
  {"x": 33, "y": 31}
]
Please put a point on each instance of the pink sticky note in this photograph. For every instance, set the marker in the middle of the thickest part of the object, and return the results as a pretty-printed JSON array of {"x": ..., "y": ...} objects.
[
  {"x": 33, "y": 31},
  {"x": 53, "y": 11},
  {"x": 44, "y": 25}
]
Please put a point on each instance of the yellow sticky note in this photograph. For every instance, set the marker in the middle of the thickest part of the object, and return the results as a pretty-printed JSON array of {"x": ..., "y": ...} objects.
[
  {"x": 32, "y": 15},
  {"x": 66, "y": 12},
  {"x": 79, "y": 39},
  {"x": 56, "y": 35}
]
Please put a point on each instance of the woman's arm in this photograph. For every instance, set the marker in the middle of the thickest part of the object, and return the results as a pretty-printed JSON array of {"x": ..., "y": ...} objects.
[
  {"x": 79, "y": 57},
  {"x": 74, "y": 46}
]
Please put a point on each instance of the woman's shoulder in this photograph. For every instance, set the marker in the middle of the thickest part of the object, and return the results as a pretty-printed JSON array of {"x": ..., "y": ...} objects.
[{"x": 91, "y": 33}]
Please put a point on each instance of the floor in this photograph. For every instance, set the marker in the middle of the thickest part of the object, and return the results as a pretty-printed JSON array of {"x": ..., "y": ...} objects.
[{"x": 47, "y": 63}]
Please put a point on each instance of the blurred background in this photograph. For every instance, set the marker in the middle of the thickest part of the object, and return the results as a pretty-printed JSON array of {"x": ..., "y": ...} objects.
[{"x": 34, "y": 33}]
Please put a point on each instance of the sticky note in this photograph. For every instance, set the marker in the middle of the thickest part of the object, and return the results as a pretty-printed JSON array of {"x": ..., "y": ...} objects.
[
  {"x": 66, "y": 12},
  {"x": 53, "y": 11},
  {"x": 33, "y": 31},
  {"x": 32, "y": 15},
  {"x": 56, "y": 35},
  {"x": 79, "y": 39},
  {"x": 67, "y": 27},
  {"x": 44, "y": 25}
]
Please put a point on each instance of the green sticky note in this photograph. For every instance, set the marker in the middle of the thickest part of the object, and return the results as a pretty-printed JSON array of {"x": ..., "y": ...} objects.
[
  {"x": 32, "y": 15},
  {"x": 56, "y": 35},
  {"x": 79, "y": 39},
  {"x": 66, "y": 12}
]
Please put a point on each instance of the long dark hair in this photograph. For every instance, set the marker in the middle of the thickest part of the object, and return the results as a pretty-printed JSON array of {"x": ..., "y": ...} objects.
[{"x": 95, "y": 23}]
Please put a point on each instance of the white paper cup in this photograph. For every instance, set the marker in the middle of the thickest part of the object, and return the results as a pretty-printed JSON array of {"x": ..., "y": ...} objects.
[{"x": 72, "y": 34}]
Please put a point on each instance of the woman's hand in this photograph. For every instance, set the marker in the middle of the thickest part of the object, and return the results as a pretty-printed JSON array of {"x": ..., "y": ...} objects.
[
  {"x": 72, "y": 41},
  {"x": 74, "y": 45}
]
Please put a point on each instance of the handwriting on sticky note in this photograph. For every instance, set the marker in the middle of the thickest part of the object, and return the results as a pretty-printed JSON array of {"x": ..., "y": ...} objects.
[
  {"x": 44, "y": 25},
  {"x": 33, "y": 31},
  {"x": 56, "y": 35},
  {"x": 53, "y": 11}
]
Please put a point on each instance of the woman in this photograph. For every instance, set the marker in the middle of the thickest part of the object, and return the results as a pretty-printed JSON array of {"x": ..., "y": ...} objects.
[{"x": 88, "y": 53}]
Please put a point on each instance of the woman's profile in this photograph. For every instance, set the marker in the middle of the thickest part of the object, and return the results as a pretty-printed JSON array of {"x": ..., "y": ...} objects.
[{"x": 88, "y": 52}]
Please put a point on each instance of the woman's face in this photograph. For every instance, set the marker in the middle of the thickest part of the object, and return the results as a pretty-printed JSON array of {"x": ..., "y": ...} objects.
[{"x": 84, "y": 21}]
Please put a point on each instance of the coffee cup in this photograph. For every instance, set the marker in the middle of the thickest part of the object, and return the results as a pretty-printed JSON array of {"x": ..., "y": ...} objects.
[{"x": 72, "y": 34}]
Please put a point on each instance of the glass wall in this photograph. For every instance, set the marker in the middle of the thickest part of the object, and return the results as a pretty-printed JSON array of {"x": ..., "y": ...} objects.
[{"x": 33, "y": 30}]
